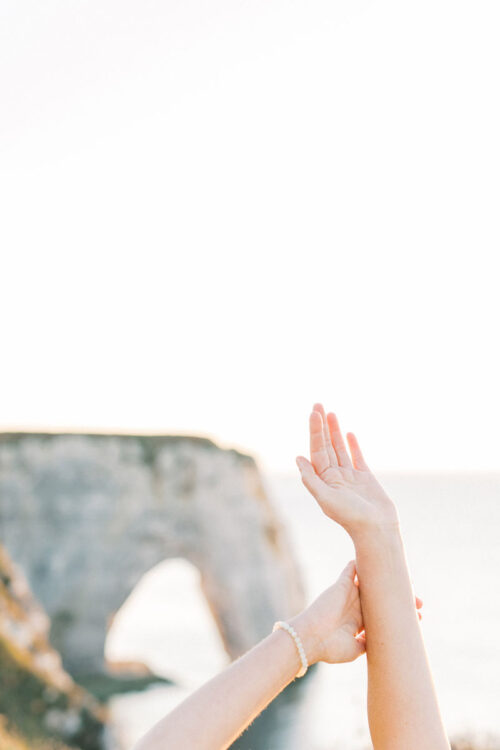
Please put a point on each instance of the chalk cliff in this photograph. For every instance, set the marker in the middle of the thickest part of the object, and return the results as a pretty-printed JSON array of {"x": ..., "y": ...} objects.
[
  {"x": 40, "y": 705},
  {"x": 87, "y": 515}
]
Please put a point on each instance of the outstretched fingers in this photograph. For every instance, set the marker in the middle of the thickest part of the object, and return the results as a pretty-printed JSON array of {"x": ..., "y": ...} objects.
[
  {"x": 337, "y": 440},
  {"x": 330, "y": 447},
  {"x": 320, "y": 457},
  {"x": 357, "y": 457}
]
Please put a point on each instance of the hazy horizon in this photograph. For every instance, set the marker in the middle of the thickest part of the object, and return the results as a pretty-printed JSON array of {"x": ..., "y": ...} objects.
[{"x": 216, "y": 214}]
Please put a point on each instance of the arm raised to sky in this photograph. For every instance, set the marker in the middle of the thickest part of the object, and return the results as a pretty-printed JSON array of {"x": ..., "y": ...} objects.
[
  {"x": 403, "y": 710},
  {"x": 213, "y": 716}
]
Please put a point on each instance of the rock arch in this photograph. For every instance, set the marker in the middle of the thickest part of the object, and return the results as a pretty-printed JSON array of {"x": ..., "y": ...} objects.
[
  {"x": 166, "y": 624},
  {"x": 87, "y": 515}
]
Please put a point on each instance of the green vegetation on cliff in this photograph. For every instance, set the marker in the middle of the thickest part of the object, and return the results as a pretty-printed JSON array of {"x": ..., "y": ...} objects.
[
  {"x": 13, "y": 741},
  {"x": 41, "y": 708}
]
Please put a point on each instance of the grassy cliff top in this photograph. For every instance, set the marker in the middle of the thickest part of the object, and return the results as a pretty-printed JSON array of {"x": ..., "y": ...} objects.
[{"x": 150, "y": 442}]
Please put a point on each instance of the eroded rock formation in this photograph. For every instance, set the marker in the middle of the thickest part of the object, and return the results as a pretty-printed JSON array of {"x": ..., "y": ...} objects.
[
  {"x": 87, "y": 515},
  {"x": 38, "y": 700}
]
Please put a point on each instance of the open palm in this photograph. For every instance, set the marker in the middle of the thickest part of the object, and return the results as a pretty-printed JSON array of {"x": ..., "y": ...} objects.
[{"x": 343, "y": 484}]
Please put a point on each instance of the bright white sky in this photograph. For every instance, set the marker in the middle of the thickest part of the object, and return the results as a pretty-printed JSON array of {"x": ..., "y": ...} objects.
[{"x": 215, "y": 213}]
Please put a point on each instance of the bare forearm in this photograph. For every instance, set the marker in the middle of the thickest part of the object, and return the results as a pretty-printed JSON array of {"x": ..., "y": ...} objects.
[
  {"x": 402, "y": 705},
  {"x": 403, "y": 710},
  {"x": 216, "y": 714}
]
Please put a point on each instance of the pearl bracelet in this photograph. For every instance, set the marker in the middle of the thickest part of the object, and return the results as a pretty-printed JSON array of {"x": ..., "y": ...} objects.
[{"x": 298, "y": 643}]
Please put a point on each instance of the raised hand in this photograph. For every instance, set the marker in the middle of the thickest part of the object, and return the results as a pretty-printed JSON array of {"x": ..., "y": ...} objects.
[
  {"x": 402, "y": 706},
  {"x": 343, "y": 484}
]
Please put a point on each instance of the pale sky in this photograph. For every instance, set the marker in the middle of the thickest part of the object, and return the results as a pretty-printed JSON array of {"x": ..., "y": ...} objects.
[{"x": 215, "y": 213}]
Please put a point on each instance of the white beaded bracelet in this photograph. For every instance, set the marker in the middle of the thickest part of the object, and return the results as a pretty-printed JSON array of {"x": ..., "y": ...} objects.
[{"x": 298, "y": 643}]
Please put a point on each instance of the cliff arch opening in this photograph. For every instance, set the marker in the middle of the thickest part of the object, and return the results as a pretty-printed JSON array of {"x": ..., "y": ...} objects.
[
  {"x": 87, "y": 515},
  {"x": 166, "y": 624}
]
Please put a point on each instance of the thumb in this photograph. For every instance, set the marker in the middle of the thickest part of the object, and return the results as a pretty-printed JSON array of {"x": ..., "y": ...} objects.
[
  {"x": 309, "y": 477},
  {"x": 349, "y": 570}
]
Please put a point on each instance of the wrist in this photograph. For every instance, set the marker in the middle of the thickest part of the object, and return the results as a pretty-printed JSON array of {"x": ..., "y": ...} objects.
[
  {"x": 379, "y": 550},
  {"x": 307, "y": 634},
  {"x": 375, "y": 533}
]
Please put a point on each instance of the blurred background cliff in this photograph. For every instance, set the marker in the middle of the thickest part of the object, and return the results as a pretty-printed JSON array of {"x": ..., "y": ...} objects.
[{"x": 213, "y": 215}]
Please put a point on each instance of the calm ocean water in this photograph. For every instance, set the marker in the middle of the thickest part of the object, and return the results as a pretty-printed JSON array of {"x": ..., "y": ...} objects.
[{"x": 451, "y": 524}]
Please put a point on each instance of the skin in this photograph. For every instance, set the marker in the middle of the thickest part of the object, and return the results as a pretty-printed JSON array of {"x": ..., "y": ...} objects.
[
  {"x": 403, "y": 710},
  {"x": 215, "y": 715}
]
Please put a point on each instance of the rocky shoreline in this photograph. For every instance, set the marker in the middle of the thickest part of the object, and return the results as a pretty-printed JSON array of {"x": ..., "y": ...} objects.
[{"x": 40, "y": 704}]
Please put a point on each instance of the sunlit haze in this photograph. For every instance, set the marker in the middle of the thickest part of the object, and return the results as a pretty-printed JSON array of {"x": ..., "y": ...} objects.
[{"x": 215, "y": 214}]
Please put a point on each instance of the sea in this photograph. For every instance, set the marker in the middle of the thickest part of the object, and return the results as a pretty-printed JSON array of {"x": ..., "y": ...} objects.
[{"x": 451, "y": 527}]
